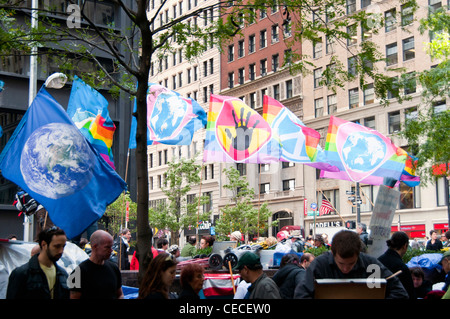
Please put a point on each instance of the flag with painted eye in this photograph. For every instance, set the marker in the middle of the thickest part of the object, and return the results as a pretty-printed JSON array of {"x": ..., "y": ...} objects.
[
  {"x": 88, "y": 109},
  {"x": 237, "y": 133},
  {"x": 171, "y": 118},
  {"x": 361, "y": 154},
  {"x": 298, "y": 143}
]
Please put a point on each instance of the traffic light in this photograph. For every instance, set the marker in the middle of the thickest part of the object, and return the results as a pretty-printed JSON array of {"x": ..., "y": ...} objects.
[{"x": 350, "y": 224}]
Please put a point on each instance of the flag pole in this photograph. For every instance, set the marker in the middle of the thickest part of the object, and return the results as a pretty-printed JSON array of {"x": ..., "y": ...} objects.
[
  {"x": 332, "y": 205},
  {"x": 32, "y": 89}
]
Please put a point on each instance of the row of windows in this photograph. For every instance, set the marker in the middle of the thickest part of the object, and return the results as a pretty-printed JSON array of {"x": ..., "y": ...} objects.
[
  {"x": 276, "y": 94},
  {"x": 190, "y": 199},
  {"x": 252, "y": 68},
  {"x": 251, "y": 43}
]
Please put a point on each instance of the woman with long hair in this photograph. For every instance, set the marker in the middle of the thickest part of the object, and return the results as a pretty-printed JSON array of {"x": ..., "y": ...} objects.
[{"x": 158, "y": 278}]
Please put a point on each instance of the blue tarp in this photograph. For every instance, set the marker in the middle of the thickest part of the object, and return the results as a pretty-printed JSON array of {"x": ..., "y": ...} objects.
[
  {"x": 427, "y": 261},
  {"x": 130, "y": 292}
]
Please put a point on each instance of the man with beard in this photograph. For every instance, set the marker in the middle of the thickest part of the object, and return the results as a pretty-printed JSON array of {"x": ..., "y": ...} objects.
[{"x": 41, "y": 277}]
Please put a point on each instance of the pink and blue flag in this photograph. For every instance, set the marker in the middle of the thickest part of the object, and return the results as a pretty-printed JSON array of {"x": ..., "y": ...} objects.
[
  {"x": 171, "y": 118},
  {"x": 88, "y": 109},
  {"x": 362, "y": 154}
]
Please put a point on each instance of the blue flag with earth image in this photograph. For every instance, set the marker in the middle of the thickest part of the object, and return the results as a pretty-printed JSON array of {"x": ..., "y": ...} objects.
[{"x": 48, "y": 157}]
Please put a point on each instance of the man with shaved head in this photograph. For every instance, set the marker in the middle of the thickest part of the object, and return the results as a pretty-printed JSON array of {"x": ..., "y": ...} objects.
[{"x": 97, "y": 277}]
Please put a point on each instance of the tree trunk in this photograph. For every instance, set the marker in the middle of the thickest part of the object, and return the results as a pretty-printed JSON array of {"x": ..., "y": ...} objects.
[{"x": 144, "y": 232}]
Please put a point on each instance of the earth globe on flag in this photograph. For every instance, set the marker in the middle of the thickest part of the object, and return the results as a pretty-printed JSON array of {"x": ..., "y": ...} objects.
[{"x": 363, "y": 152}]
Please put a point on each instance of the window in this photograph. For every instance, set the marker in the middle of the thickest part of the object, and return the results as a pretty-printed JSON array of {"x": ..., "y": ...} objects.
[
  {"x": 263, "y": 67},
  {"x": 262, "y": 39},
  {"x": 394, "y": 122},
  {"x": 205, "y": 68},
  {"x": 329, "y": 45},
  {"x": 332, "y": 104},
  {"x": 391, "y": 54},
  {"x": 287, "y": 164},
  {"x": 242, "y": 169},
  {"x": 287, "y": 28},
  {"x": 288, "y": 89},
  {"x": 262, "y": 14},
  {"x": 393, "y": 89},
  {"x": 317, "y": 77},
  {"x": 264, "y": 188},
  {"x": 230, "y": 53},
  {"x": 251, "y": 43},
  {"x": 288, "y": 184},
  {"x": 352, "y": 33},
  {"x": 195, "y": 73},
  {"x": 410, "y": 83},
  {"x": 207, "y": 207},
  {"x": 440, "y": 192},
  {"x": 317, "y": 49},
  {"x": 351, "y": 6},
  {"x": 252, "y": 71},
  {"x": 390, "y": 20},
  {"x": 351, "y": 66},
  {"x": 410, "y": 114},
  {"x": 253, "y": 100},
  {"x": 275, "y": 62},
  {"x": 407, "y": 14},
  {"x": 211, "y": 66},
  {"x": 353, "y": 98},
  {"x": 275, "y": 37},
  {"x": 369, "y": 94},
  {"x": 369, "y": 122},
  {"x": 241, "y": 75},
  {"x": 434, "y": 5},
  {"x": 276, "y": 91},
  {"x": 318, "y": 107},
  {"x": 365, "y": 3},
  {"x": 263, "y": 168},
  {"x": 231, "y": 80},
  {"x": 408, "y": 49},
  {"x": 409, "y": 196},
  {"x": 241, "y": 50}
]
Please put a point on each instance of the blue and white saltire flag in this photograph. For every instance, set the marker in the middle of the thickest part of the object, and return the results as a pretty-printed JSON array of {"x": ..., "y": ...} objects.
[
  {"x": 49, "y": 158},
  {"x": 171, "y": 118}
]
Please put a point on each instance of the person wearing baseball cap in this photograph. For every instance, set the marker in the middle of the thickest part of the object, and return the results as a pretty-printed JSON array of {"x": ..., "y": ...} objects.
[{"x": 251, "y": 270}]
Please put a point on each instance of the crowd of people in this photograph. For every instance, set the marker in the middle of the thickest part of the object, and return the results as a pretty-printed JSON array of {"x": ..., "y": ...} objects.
[{"x": 99, "y": 276}]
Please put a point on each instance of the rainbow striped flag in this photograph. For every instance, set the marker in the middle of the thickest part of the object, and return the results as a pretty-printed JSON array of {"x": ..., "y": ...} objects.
[
  {"x": 362, "y": 154},
  {"x": 409, "y": 176},
  {"x": 237, "y": 133},
  {"x": 298, "y": 143},
  {"x": 88, "y": 109}
]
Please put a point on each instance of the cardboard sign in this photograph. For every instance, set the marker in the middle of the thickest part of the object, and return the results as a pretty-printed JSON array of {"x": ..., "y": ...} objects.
[{"x": 381, "y": 221}]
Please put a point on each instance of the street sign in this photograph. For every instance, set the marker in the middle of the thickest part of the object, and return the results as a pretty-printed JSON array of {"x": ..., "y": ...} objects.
[
  {"x": 313, "y": 206},
  {"x": 349, "y": 192},
  {"x": 311, "y": 213}
]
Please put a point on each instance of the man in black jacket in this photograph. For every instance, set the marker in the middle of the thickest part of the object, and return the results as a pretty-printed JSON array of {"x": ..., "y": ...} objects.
[
  {"x": 40, "y": 277},
  {"x": 346, "y": 261}
]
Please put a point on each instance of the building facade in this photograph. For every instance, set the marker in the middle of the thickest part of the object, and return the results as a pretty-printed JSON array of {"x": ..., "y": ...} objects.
[
  {"x": 420, "y": 208},
  {"x": 251, "y": 66}
]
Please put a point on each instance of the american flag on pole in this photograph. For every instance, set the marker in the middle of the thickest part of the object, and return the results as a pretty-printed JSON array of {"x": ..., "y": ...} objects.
[{"x": 325, "y": 208}]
